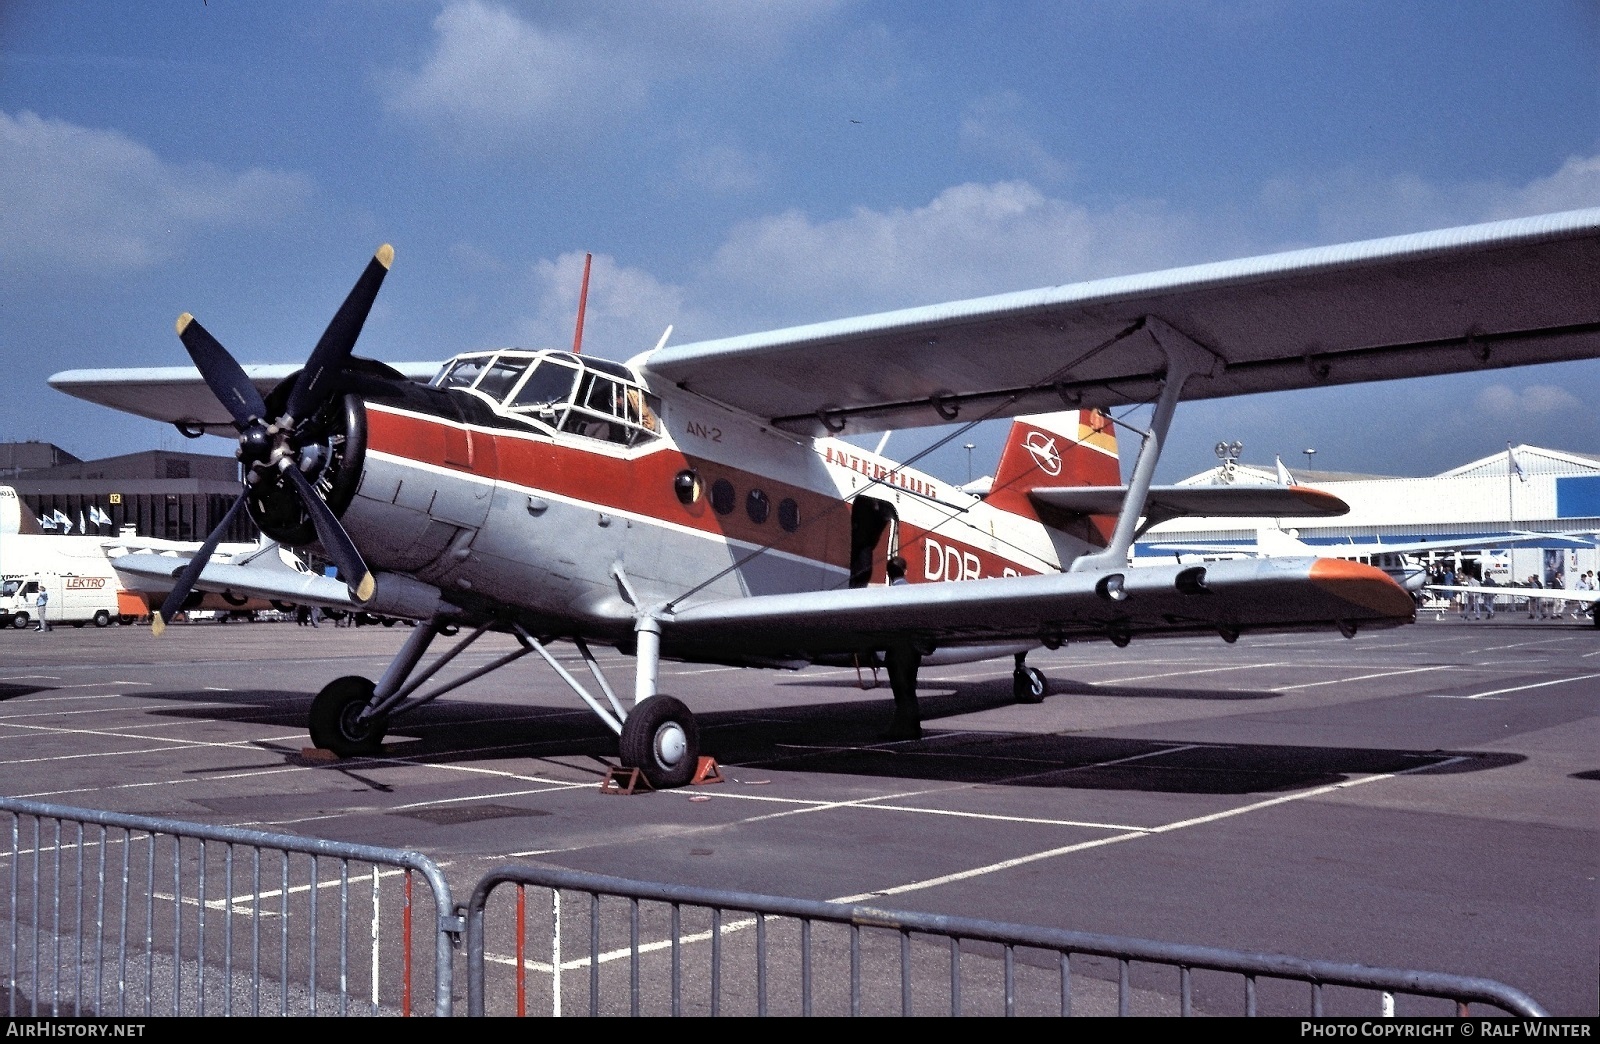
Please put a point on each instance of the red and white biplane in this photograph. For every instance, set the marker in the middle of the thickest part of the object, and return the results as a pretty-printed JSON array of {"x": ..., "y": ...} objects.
[{"x": 695, "y": 503}]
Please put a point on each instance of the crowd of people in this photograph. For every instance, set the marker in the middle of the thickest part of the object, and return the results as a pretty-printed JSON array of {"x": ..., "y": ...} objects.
[{"x": 1473, "y": 605}]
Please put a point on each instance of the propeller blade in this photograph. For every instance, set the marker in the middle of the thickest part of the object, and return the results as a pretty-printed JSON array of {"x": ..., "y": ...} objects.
[
  {"x": 192, "y": 571},
  {"x": 222, "y": 374},
  {"x": 334, "y": 539},
  {"x": 328, "y": 358}
]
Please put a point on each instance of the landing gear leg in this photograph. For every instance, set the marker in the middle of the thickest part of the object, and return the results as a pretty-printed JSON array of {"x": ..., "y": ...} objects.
[
  {"x": 902, "y": 663},
  {"x": 1027, "y": 683},
  {"x": 659, "y": 736}
]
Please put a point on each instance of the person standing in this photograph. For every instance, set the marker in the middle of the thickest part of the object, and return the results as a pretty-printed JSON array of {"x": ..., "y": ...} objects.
[
  {"x": 41, "y": 603},
  {"x": 903, "y": 662}
]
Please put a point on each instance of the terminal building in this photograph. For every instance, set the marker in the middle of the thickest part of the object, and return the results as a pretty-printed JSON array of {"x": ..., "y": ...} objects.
[
  {"x": 155, "y": 493},
  {"x": 1526, "y": 489}
]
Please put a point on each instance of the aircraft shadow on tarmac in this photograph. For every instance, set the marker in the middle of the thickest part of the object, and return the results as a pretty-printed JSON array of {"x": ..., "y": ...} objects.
[{"x": 845, "y": 738}]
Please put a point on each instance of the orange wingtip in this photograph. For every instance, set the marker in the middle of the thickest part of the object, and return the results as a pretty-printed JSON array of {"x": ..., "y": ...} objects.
[{"x": 1364, "y": 585}]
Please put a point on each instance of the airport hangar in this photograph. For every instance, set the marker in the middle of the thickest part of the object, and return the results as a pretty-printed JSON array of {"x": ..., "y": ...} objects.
[
  {"x": 1524, "y": 489},
  {"x": 158, "y": 493}
]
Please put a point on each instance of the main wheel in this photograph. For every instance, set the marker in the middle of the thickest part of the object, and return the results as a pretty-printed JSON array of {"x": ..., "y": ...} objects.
[
  {"x": 334, "y": 714},
  {"x": 661, "y": 739},
  {"x": 1028, "y": 686}
]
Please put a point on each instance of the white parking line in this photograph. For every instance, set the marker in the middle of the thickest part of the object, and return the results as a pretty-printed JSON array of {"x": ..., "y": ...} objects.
[
  {"x": 1515, "y": 645},
  {"x": 1180, "y": 674},
  {"x": 1007, "y": 864},
  {"x": 1359, "y": 677},
  {"x": 1517, "y": 688}
]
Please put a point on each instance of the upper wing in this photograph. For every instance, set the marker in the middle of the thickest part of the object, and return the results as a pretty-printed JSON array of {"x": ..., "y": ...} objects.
[
  {"x": 1501, "y": 294},
  {"x": 1225, "y": 597},
  {"x": 1169, "y": 502},
  {"x": 177, "y": 394}
]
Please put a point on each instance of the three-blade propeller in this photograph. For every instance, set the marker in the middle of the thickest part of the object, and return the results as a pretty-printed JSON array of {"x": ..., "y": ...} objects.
[{"x": 269, "y": 445}]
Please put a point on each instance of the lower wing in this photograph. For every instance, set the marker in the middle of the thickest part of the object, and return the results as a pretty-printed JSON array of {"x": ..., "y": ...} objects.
[{"x": 1226, "y": 598}]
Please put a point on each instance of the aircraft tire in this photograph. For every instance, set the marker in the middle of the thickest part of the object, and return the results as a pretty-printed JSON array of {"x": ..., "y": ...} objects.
[
  {"x": 660, "y": 738},
  {"x": 333, "y": 718},
  {"x": 1028, "y": 685}
]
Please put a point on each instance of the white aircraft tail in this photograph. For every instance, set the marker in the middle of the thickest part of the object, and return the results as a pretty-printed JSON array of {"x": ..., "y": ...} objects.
[{"x": 1272, "y": 541}]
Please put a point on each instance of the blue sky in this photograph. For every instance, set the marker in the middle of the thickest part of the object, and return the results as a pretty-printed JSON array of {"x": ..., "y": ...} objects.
[{"x": 739, "y": 166}]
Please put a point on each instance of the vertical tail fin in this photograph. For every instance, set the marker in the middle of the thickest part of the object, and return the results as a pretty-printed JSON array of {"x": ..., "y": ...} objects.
[{"x": 1071, "y": 448}]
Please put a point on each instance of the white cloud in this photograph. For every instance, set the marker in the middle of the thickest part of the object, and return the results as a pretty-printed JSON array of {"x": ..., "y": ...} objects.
[
  {"x": 627, "y": 311},
  {"x": 497, "y": 79},
  {"x": 1351, "y": 204},
  {"x": 993, "y": 127},
  {"x": 971, "y": 239},
  {"x": 1575, "y": 186},
  {"x": 82, "y": 198},
  {"x": 492, "y": 74},
  {"x": 725, "y": 169},
  {"x": 1536, "y": 400}
]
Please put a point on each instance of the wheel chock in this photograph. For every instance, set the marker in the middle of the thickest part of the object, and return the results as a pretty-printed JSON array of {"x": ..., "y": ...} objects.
[
  {"x": 316, "y": 756},
  {"x": 707, "y": 771},
  {"x": 625, "y": 782}
]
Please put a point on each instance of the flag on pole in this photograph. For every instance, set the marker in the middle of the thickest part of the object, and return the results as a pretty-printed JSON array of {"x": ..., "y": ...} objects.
[
  {"x": 81, "y": 527},
  {"x": 62, "y": 521},
  {"x": 1516, "y": 465}
]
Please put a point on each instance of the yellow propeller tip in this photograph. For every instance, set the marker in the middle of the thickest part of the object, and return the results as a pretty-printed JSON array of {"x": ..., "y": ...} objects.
[
  {"x": 183, "y": 322},
  {"x": 157, "y": 625},
  {"x": 385, "y": 255},
  {"x": 365, "y": 588}
]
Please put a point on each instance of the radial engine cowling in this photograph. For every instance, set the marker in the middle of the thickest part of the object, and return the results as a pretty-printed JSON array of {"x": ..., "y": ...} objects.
[{"x": 330, "y": 452}]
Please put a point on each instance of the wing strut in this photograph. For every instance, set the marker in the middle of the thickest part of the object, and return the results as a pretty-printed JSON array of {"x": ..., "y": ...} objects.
[{"x": 1186, "y": 358}]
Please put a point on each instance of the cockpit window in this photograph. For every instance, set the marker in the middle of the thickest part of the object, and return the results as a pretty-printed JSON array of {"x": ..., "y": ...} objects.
[
  {"x": 498, "y": 380},
  {"x": 548, "y": 383},
  {"x": 462, "y": 373},
  {"x": 595, "y": 398}
]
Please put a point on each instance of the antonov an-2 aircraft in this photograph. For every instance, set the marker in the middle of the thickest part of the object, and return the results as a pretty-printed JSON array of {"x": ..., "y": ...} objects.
[{"x": 695, "y": 503}]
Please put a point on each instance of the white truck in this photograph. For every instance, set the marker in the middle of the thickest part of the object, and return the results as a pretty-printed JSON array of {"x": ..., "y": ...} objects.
[{"x": 73, "y": 599}]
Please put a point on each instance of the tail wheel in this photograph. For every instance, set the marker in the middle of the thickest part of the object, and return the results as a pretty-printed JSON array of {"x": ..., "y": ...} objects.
[
  {"x": 335, "y": 718},
  {"x": 1028, "y": 685},
  {"x": 660, "y": 738}
]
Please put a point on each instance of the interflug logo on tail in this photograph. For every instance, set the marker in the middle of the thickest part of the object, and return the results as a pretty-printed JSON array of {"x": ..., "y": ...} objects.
[{"x": 1043, "y": 450}]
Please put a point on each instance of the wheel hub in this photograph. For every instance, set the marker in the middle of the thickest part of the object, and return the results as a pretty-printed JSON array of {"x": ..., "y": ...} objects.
[{"x": 671, "y": 744}]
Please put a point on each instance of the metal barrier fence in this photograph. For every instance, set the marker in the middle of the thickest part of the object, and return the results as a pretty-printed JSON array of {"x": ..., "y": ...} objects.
[
  {"x": 114, "y": 914},
  {"x": 640, "y": 948}
]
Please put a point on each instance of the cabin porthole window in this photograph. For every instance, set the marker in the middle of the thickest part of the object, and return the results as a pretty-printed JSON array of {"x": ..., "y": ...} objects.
[
  {"x": 788, "y": 514},
  {"x": 722, "y": 496},
  {"x": 686, "y": 486},
  {"x": 757, "y": 506}
]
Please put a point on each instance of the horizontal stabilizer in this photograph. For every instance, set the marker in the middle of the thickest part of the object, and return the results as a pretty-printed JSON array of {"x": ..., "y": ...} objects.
[{"x": 1210, "y": 501}]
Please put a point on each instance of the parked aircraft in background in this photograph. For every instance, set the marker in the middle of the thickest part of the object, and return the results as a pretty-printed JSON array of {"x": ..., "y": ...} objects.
[
  {"x": 1400, "y": 559},
  {"x": 695, "y": 504}
]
